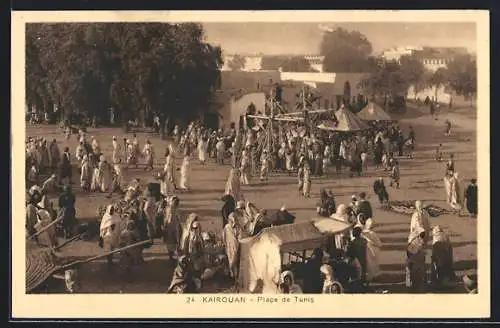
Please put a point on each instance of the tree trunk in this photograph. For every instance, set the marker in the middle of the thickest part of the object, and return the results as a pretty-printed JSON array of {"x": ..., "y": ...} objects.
[{"x": 436, "y": 94}]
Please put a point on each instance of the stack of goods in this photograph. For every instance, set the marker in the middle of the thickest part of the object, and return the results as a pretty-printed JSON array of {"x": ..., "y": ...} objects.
[{"x": 408, "y": 206}]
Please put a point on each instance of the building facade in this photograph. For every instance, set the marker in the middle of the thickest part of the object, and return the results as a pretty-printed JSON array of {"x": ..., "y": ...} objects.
[
  {"x": 432, "y": 58},
  {"x": 257, "y": 62}
]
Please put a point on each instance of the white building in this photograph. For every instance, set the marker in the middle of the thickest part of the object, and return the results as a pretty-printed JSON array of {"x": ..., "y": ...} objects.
[
  {"x": 398, "y": 52},
  {"x": 254, "y": 62}
]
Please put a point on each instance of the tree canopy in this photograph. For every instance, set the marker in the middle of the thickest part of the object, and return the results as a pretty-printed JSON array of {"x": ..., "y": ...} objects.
[
  {"x": 386, "y": 79},
  {"x": 136, "y": 68},
  {"x": 413, "y": 71},
  {"x": 345, "y": 51},
  {"x": 237, "y": 63},
  {"x": 462, "y": 75}
]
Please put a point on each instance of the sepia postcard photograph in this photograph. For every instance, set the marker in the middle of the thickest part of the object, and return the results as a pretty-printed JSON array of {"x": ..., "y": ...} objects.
[{"x": 205, "y": 164}]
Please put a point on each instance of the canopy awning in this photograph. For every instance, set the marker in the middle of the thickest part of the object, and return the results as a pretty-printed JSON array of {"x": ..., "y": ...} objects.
[{"x": 373, "y": 112}]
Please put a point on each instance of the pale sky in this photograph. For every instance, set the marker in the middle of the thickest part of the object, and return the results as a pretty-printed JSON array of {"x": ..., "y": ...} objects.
[{"x": 305, "y": 38}]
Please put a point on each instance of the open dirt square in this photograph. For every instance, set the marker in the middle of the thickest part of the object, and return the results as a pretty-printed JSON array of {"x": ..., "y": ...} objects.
[{"x": 421, "y": 179}]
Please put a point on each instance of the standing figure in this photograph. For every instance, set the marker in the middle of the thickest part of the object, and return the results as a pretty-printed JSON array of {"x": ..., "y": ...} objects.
[
  {"x": 380, "y": 190},
  {"x": 80, "y": 152},
  {"x": 118, "y": 176},
  {"x": 419, "y": 221},
  {"x": 220, "y": 150},
  {"x": 85, "y": 174},
  {"x": 231, "y": 236},
  {"x": 131, "y": 154},
  {"x": 137, "y": 149},
  {"x": 109, "y": 232},
  {"x": 106, "y": 174},
  {"x": 95, "y": 184},
  {"x": 453, "y": 191},
  {"x": 245, "y": 167},
  {"x": 415, "y": 265},
  {"x": 356, "y": 253},
  {"x": 96, "y": 148},
  {"x": 65, "y": 167},
  {"x": 447, "y": 130},
  {"x": 300, "y": 173},
  {"x": 373, "y": 246},
  {"x": 150, "y": 210},
  {"x": 168, "y": 176},
  {"x": 54, "y": 154},
  {"x": 441, "y": 258},
  {"x": 233, "y": 187},
  {"x": 184, "y": 172},
  {"x": 67, "y": 211},
  {"x": 32, "y": 175},
  {"x": 192, "y": 243},
  {"x": 471, "y": 198},
  {"x": 228, "y": 208},
  {"x": 450, "y": 166},
  {"x": 117, "y": 151},
  {"x": 307, "y": 182},
  {"x": 264, "y": 166},
  {"x": 202, "y": 149},
  {"x": 439, "y": 154},
  {"x": 289, "y": 160},
  {"x": 395, "y": 175},
  {"x": 172, "y": 229},
  {"x": 148, "y": 153}
]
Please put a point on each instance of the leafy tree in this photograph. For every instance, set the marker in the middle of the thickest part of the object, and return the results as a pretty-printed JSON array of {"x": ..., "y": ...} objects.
[
  {"x": 462, "y": 76},
  {"x": 413, "y": 71},
  {"x": 297, "y": 64},
  {"x": 345, "y": 51},
  {"x": 387, "y": 80},
  {"x": 138, "y": 68},
  {"x": 438, "y": 79},
  {"x": 237, "y": 63}
]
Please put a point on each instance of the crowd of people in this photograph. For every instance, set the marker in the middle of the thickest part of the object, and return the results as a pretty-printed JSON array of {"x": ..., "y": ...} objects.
[{"x": 157, "y": 213}]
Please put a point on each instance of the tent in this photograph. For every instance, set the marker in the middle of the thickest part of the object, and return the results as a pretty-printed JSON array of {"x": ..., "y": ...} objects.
[
  {"x": 328, "y": 125},
  {"x": 261, "y": 255},
  {"x": 373, "y": 112},
  {"x": 347, "y": 122}
]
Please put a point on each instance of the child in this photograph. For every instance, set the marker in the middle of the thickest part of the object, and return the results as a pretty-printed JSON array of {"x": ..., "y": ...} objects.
[
  {"x": 439, "y": 153},
  {"x": 395, "y": 174}
]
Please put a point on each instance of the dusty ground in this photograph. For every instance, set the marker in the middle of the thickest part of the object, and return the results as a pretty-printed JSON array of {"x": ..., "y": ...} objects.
[{"x": 421, "y": 178}]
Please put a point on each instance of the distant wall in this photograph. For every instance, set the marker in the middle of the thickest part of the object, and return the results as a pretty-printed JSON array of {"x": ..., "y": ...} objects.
[
  {"x": 236, "y": 107},
  {"x": 250, "y": 81}
]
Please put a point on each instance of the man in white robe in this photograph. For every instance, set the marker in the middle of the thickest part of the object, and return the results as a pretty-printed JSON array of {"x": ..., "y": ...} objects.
[
  {"x": 117, "y": 151},
  {"x": 148, "y": 153},
  {"x": 202, "y": 150},
  {"x": 184, "y": 173},
  {"x": 106, "y": 175},
  {"x": 168, "y": 180}
]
